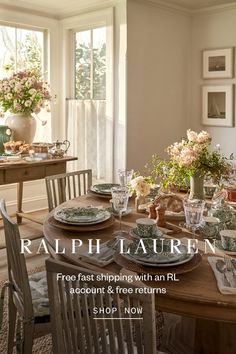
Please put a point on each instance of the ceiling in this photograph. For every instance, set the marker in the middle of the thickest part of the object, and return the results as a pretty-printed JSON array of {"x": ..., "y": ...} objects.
[{"x": 64, "y": 8}]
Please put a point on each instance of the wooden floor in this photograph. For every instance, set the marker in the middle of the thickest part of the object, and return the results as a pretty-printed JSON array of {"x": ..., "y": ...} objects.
[{"x": 29, "y": 230}]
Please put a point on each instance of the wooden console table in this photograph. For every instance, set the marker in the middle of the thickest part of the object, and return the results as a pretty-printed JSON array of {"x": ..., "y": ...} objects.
[{"x": 22, "y": 171}]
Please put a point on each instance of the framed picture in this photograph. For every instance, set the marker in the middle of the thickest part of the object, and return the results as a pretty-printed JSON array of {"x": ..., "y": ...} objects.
[
  {"x": 218, "y": 63},
  {"x": 217, "y": 105}
]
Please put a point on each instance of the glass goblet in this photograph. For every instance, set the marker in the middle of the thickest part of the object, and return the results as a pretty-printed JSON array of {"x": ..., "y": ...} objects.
[
  {"x": 125, "y": 176},
  {"x": 193, "y": 209},
  {"x": 120, "y": 198}
]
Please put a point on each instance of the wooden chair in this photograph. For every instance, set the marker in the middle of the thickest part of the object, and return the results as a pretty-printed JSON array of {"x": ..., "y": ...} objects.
[
  {"x": 77, "y": 329},
  {"x": 66, "y": 186},
  {"x": 23, "y": 298}
]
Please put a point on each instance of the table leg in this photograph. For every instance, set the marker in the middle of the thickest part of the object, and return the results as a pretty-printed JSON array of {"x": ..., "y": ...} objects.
[{"x": 19, "y": 201}]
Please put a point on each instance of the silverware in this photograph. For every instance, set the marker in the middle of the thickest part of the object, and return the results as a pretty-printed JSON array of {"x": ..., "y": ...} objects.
[
  {"x": 220, "y": 266},
  {"x": 230, "y": 269}
]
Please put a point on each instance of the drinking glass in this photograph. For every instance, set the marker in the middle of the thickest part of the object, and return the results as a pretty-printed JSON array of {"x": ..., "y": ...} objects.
[
  {"x": 125, "y": 176},
  {"x": 120, "y": 197},
  {"x": 193, "y": 209}
]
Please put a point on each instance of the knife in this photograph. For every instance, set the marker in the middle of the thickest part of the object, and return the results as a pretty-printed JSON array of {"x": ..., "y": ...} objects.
[{"x": 220, "y": 266}]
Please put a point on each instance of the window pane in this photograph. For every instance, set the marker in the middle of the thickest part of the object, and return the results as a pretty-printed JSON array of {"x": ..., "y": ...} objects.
[
  {"x": 83, "y": 65},
  {"x": 99, "y": 63},
  {"x": 29, "y": 49},
  {"x": 8, "y": 48}
]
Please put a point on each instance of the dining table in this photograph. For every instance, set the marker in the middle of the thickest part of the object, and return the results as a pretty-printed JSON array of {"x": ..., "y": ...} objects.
[{"x": 195, "y": 295}]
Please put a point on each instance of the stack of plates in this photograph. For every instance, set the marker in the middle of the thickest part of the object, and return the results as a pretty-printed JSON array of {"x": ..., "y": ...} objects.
[
  {"x": 81, "y": 216},
  {"x": 103, "y": 188},
  {"x": 164, "y": 257}
]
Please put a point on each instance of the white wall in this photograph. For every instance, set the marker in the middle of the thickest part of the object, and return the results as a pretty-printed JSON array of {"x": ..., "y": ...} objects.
[
  {"x": 211, "y": 30},
  {"x": 158, "y": 59}
]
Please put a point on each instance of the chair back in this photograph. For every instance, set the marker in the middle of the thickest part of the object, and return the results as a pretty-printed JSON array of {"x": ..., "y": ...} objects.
[
  {"x": 17, "y": 270},
  {"x": 77, "y": 328},
  {"x": 66, "y": 186}
]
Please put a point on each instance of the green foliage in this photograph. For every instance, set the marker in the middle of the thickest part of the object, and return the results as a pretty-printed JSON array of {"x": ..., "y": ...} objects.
[{"x": 83, "y": 72}]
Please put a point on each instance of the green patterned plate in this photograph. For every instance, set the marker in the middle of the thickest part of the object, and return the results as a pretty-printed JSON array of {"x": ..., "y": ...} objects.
[{"x": 103, "y": 188}]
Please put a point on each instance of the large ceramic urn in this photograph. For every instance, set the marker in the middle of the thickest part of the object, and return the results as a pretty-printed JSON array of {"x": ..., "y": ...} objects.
[{"x": 23, "y": 127}]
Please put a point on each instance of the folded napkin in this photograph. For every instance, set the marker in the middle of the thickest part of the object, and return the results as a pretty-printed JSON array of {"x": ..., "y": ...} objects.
[
  {"x": 220, "y": 278},
  {"x": 103, "y": 258}
]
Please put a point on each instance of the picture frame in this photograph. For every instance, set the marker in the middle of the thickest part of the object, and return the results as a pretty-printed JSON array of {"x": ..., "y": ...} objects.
[
  {"x": 217, "y": 105},
  {"x": 218, "y": 63}
]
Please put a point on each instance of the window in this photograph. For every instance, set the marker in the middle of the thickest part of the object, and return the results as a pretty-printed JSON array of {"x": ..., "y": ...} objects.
[
  {"x": 90, "y": 64},
  {"x": 23, "y": 48},
  {"x": 20, "y": 49}
]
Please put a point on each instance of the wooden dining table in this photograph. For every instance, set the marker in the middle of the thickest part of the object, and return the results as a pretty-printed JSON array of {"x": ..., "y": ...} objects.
[{"x": 195, "y": 295}]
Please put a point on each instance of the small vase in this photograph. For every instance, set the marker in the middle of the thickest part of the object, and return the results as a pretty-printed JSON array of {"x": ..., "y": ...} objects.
[
  {"x": 196, "y": 187},
  {"x": 23, "y": 127},
  {"x": 140, "y": 199}
]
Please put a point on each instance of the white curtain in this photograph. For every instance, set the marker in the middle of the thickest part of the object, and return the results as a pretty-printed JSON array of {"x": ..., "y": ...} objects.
[{"x": 90, "y": 132}]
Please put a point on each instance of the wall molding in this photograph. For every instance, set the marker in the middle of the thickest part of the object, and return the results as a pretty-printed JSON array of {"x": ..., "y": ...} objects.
[{"x": 186, "y": 10}]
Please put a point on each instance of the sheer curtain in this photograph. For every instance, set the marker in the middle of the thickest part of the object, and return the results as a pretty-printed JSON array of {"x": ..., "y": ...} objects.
[{"x": 90, "y": 132}]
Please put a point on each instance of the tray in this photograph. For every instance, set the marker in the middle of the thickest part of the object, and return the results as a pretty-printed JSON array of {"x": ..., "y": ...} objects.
[
  {"x": 138, "y": 268},
  {"x": 75, "y": 228}
]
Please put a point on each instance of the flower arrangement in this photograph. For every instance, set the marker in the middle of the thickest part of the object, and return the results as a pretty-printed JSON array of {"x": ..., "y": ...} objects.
[
  {"x": 24, "y": 92},
  {"x": 141, "y": 185},
  {"x": 192, "y": 157}
]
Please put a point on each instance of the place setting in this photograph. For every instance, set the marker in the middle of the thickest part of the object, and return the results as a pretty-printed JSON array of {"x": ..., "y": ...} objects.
[
  {"x": 104, "y": 190},
  {"x": 149, "y": 251},
  {"x": 88, "y": 218}
]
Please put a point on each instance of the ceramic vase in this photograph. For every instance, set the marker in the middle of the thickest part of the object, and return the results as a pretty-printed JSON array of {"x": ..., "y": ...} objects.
[
  {"x": 196, "y": 187},
  {"x": 23, "y": 127},
  {"x": 140, "y": 199}
]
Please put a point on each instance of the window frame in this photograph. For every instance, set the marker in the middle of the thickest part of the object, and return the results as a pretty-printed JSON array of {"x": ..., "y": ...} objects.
[{"x": 46, "y": 59}]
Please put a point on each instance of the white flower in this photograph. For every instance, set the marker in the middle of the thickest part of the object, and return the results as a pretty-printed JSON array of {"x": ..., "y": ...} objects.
[
  {"x": 192, "y": 136},
  {"x": 140, "y": 186},
  {"x": 32, "y": 91},
  {"x": 9, "y": 96},
  {"x": 203, "y": 137}
]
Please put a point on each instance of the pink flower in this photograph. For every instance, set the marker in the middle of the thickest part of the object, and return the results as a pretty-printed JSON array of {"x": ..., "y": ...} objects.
[
  {"x": 28, "y": 103},
  {"x": 17, "y": 106}
]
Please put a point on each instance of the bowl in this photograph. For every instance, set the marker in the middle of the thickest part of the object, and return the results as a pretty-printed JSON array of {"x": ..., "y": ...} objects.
[{"x": 228, "y": 240}]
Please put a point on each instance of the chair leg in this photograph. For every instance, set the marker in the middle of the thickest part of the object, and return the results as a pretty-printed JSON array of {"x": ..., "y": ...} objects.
[
  {"x": 11, "y": 325},
  {"x": 28, "y": 338}
]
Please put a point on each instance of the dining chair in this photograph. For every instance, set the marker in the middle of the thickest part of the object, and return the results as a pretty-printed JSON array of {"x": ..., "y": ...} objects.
[
  {"x": 77, "y": 329},
  {"x": 66, "y": 186},
  {"x": 27, "y": 295}
]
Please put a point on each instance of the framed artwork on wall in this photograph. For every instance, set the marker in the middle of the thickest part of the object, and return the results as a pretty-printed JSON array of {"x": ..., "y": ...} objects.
[
  {"x": 217, "y": 105},
  {"x": 218, "y": 63}
]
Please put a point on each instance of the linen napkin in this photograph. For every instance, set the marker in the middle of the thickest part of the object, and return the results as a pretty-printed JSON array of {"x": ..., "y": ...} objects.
[
  {"x": 101, "y": 259},
  {"x": 220, "y": 278}
]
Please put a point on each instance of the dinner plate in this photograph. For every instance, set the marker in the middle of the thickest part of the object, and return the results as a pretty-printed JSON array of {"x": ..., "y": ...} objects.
[
  {"x": 106, "y": 217},
  {"x": 85, "y": 216},
  {"x": 134, "y": 233},
  {"x": 182, "y": 260},
  {"x": 103, "y": 188},
  {"x": 150, "y": 257}
]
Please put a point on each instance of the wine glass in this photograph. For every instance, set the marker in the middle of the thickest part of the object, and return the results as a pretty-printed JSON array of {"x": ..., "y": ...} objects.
[
  {"x": 193, "y": 209},
  {"x": 125, "y": 176},
  {"x": 120, "y": 197}
]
